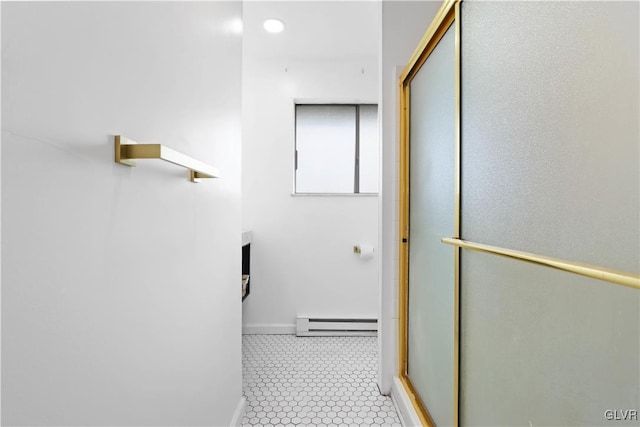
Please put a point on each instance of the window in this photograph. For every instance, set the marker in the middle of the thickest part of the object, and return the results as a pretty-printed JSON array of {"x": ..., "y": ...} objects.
[{"x": 336, "y": 149}]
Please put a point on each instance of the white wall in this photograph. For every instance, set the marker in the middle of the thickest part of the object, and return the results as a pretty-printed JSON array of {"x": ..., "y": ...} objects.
[
  {"x": 403, "y": 24},
  {"x": 302, "y": 259},
  {"x": 120, "y": 286}
]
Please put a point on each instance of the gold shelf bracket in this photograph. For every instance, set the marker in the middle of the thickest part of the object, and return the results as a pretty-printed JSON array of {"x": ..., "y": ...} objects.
[{"x": 127, "y": 151}]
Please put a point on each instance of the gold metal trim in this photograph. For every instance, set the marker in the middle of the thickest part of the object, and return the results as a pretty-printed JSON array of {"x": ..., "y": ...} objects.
[
  {"x": 403, "y": 232},
  {"x": 613, "y": 276},
  {"x": 430, "y": 39},
  {"x": 126, "y": 151},
  {"x": 423, "y": 413},
  {"x": 456, "y": 221}
]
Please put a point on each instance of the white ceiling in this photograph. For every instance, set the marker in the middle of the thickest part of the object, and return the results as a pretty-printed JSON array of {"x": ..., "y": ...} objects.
[{"x": 329, "y": 30}]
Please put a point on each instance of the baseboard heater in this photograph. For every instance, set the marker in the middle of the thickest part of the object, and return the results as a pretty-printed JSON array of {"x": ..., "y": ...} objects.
[{"x": 319, "y": 326}]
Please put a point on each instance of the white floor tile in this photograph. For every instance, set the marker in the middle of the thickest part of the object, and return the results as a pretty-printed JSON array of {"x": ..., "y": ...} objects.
[{"x": 313, "y": 381}]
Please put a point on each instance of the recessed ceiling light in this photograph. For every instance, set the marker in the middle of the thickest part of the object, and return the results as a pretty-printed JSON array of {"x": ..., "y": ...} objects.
[{"x": 273, "y": 25}]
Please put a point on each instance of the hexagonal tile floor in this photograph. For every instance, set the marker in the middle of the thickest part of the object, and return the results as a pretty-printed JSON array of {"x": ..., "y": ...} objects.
[{"x": 313, "y": 381}]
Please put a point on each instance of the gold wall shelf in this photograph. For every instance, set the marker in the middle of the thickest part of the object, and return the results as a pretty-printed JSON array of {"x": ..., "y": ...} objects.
[
  {"x": 608, "y": 275},
  {"x": 127, "y": 151}
]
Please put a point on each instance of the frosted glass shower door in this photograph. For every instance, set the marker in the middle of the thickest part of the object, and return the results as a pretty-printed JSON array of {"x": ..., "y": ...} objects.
[
  {"x": 430, "y": 329},
  {"x": 550, "y": 166}
]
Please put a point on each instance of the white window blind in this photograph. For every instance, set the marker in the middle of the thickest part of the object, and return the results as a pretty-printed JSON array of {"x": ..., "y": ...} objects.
[{"x": 336, "y": 149}]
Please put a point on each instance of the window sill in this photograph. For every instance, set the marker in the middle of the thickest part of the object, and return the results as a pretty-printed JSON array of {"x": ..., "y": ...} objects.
[{"x": 334, "y": 194}]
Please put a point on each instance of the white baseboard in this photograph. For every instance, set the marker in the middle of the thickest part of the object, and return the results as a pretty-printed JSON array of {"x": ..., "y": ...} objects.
[
  {"x": 269, "y": 329},
  {"x": 408, "y": 415},
  {"x": 236, "y": 421}
]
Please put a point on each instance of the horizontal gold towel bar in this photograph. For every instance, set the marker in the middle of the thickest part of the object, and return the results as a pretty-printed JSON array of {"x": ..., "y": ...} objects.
[
  {"x": 613, "y": 276},
  {"x": 127, "y": 151}
]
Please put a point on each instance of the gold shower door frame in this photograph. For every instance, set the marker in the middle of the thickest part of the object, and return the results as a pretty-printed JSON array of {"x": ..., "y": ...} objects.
[{"x": 448, "y": 15}]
